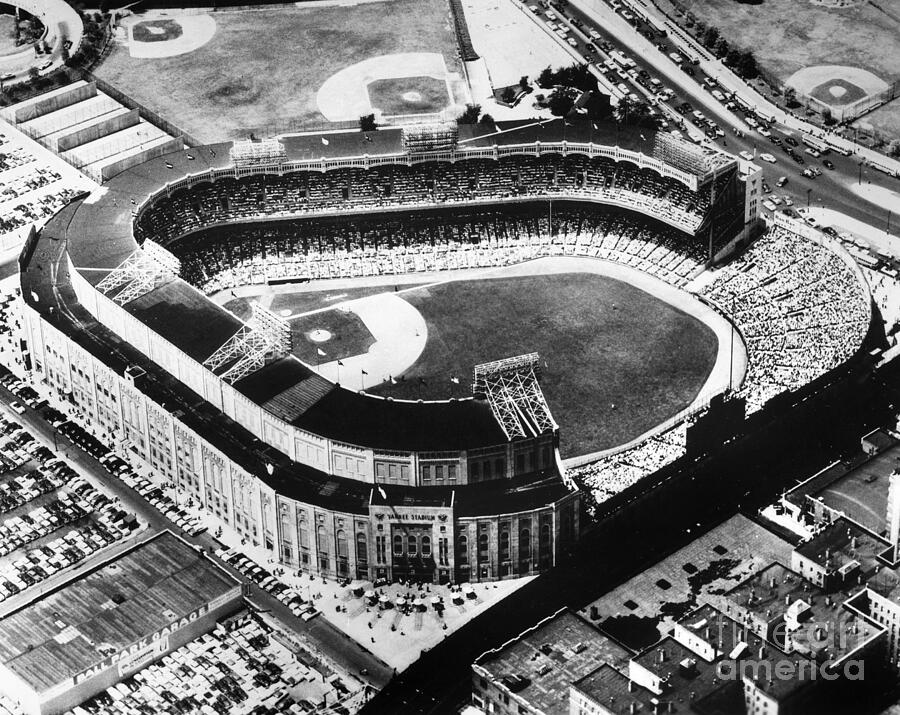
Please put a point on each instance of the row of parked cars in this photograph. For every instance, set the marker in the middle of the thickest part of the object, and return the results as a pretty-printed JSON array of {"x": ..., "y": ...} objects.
[
  {"x": 74, "y": 500},
  {"x": 154, "y": 495},
  {"x": 265, "y": 580},
  {"x": 119, "y": 468},
  {"x": 25, "y": 528}
]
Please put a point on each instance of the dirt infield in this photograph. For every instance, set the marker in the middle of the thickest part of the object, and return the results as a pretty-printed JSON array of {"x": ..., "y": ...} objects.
[
  {"x": 155, "y": 36},
  {"x": 345, "y": 95},
  {"x": 835, "y": 84}
]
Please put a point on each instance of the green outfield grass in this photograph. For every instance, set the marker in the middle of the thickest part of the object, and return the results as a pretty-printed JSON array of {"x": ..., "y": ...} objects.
[
  {"x": 788, "y": 35},
  {"x": 605, "y": 343},
  {"x": 263, "y": 67}
]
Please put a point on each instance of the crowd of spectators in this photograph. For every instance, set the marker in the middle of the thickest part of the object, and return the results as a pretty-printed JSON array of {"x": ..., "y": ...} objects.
[
  {"x": 800, "y": 310},
  {"x": 237, "y": 669},
  {"x": 403, "y": 243},
  {"x": 398, "y": 186},
  {"x": 614, "y": 473}
]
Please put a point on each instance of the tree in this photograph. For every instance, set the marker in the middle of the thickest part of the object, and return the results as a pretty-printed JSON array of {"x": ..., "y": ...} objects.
[
  {"x": 746, "y": 65},
  {"x": 711, "y": 36},
  {"x": 33, "y": 73},
  {"x": 827, "y": 117},
  {"x": 622, "y": 110},
  {"x": 894, "y": 148},
  {"x": 546, "y": 79},
  {"x": 732, "y": 58},
  {"x": 524, "y": 83},
  {"x": 562, "y": 101},
  {"x": 486, "y": 120},
  {"x": 721, "y": 48},
  {"x": 598, "y": 106},
  {"x": 470, "y": 116},
  {"x": 367, "y": 123},
  {"x": 508, "y": 96},
  {"x": 790, "y": 98}
]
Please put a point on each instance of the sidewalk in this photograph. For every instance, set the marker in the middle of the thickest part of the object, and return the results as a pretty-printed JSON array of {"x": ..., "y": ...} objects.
[{"x": 397, "y": 633}]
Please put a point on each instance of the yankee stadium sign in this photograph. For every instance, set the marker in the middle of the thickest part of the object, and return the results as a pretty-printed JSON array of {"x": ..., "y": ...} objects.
[{"x": 141, "y": 651}]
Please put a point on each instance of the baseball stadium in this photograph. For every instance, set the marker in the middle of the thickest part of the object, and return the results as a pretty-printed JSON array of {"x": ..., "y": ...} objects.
[{"x": 427, "y": 352}]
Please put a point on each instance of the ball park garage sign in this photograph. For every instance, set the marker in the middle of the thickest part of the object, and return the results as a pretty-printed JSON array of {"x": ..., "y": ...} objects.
[{"x": 141, "y": 652}]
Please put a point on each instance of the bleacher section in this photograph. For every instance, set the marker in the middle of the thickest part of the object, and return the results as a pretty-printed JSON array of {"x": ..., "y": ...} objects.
[
  {"x": 90, "y": 130},
  {"x": 399, "y": 186},
  {"x": 801, "y": 312}
]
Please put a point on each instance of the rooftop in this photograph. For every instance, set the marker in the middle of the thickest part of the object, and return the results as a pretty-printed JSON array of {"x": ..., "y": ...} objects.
[
  {"x": 541, "y": 663},
  {"x": 134, "y": 595},
  {"x": 843, "y": 543}
]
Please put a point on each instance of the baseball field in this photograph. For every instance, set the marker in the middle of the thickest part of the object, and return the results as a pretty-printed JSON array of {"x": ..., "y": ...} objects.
[{"x": 263, "y": 70}]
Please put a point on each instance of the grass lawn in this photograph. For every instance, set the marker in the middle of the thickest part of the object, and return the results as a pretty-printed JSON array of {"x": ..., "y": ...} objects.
[
  {"x": 423, "y": 94},
  {"x": 8, "y": 34},
  {"x": 605, "y": 343},
  {"x": 350, "y": 336},
  {"x": 266, "y": 66},
  {"x": 885, "y": 119},
  {"x": 788, "y": 35}
]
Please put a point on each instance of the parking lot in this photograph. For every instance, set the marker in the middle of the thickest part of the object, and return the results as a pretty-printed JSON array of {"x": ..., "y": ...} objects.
[{"x": 51, "y": 519}]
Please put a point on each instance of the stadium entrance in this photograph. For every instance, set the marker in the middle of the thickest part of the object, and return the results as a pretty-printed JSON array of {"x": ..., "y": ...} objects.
[{"x": 413, "y": 556}]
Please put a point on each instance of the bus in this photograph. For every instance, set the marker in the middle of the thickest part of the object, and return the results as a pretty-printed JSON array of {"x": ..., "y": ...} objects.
[{"x": 814, "y": 143}]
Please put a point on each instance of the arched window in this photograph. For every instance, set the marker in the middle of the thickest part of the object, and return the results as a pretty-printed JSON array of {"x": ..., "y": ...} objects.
[
  {"x": 322, "y": 538},
  {"x": 462, "y": 545},
  {"x": 525, "y": 543},
  {"x": 362, "y": 549},
  {"x": 342, "y": 550},
  {"x": 412, "y": 545},
  {"x": 504, "y": 545},
  {"x": 545, "y": 535},
  {"x": 426, "y": 546},
  {"x": 483, "y": 542},
  {"x": 398, "y": 545}
]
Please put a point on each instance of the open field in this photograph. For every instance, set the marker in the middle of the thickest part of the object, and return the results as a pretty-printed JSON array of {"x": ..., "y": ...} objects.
[
  {"x": 264, "y": 67},
  {"x": 618, "y": 360},
  {"x": 788, "y": 35},
  {"x": 885, "y": 119}
]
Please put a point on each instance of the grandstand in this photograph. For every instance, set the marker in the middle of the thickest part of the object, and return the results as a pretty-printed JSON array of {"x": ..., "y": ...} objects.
[
  {"x": 284, "y": 441},
  {"x": 801, "y": 308}
]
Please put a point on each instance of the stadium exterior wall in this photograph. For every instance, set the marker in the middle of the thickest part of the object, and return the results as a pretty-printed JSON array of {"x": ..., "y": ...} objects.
[{"x": 316, "y": 538}]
